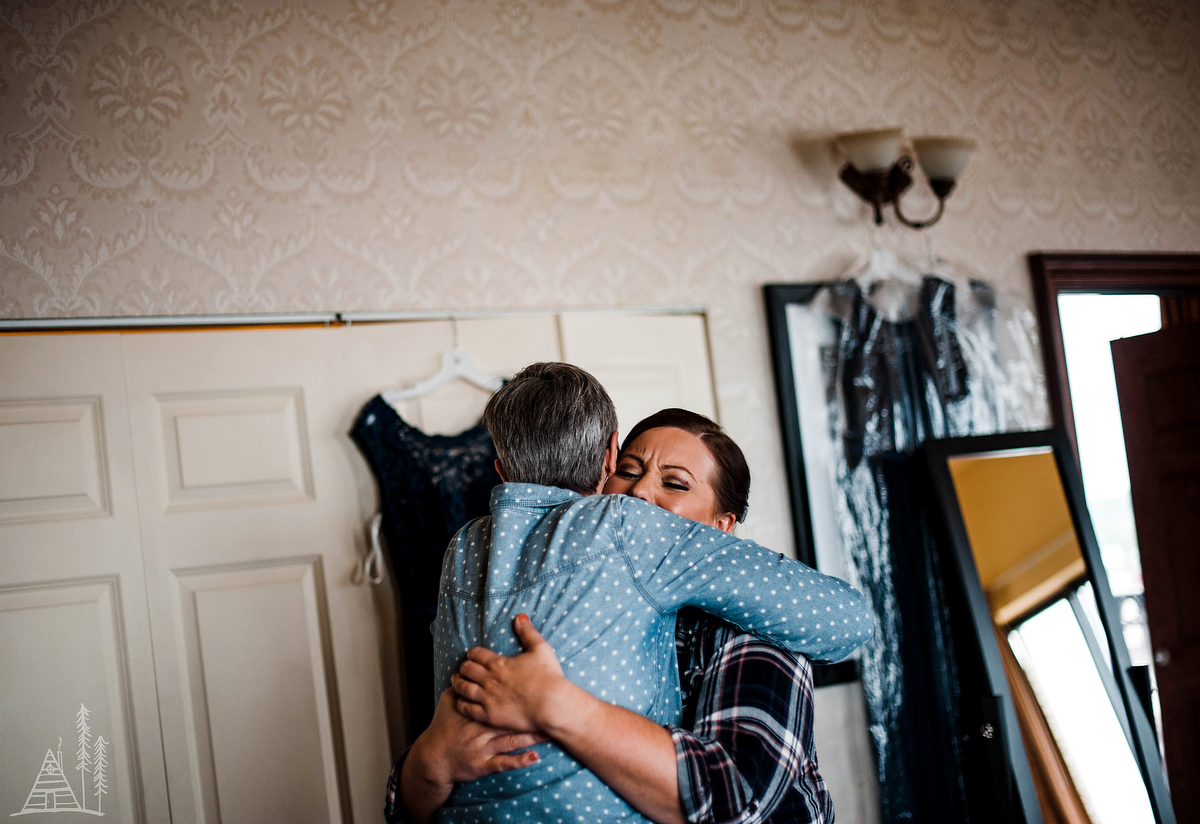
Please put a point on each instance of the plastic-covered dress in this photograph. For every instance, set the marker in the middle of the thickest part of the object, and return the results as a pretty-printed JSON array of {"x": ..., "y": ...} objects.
[
  {"x": 429, "y": 487},
  {"x": 917, "y": 356}
]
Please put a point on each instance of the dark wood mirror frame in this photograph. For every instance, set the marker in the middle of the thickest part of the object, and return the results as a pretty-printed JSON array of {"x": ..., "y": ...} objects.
[
  {"x": 1174, "y": 276},
  {"x": 1130, "y": 711}
]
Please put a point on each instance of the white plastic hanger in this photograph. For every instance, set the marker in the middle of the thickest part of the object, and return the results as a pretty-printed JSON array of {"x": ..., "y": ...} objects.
[
  {"x": 457, "y": 364},
  {"x": 883, "y": 264},
  {"x": 889, "y": 283}
]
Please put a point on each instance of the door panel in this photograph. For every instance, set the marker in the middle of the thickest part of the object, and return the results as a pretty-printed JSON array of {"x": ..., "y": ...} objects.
[
  {"x": 74, "y": 628},
  {"x": 63, "y": 647},
  {"x": 234, "y": 448},
  {"x": 251, "y": 525},
  {"x": 54, "y": 465},
  {"x": 266, "y": 698}
]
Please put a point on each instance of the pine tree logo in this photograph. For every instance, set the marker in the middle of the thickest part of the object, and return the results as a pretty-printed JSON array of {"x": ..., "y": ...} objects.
[{"x": 52, "y": 792}]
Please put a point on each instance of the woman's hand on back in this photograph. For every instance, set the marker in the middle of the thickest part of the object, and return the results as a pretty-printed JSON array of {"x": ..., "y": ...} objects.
[
  {"x": 525, "y": 693},
  {"x": 457, "y": 749},
  {"x": 454, "y": 750}
]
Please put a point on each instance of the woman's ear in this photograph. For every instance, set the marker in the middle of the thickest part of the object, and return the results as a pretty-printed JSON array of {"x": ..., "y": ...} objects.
[
  {"x": 500, "y": 471},
  {"x": 726, "y": 522}
]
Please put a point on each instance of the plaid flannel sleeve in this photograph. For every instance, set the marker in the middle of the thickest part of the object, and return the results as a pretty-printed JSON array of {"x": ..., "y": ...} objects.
[
  {"x": 751, "y": 753},
  {"x": 393, "y": 810}
]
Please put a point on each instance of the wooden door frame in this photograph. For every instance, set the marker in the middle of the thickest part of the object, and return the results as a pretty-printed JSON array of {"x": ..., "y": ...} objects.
[{"x": 1106, "y": 273}]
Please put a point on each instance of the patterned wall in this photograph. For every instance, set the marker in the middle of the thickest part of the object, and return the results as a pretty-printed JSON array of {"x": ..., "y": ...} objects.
[{"x": 208, "y": 156}]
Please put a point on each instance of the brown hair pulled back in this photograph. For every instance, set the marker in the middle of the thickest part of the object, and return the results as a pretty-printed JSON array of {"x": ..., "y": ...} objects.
[{"x": 731, "y": 482}]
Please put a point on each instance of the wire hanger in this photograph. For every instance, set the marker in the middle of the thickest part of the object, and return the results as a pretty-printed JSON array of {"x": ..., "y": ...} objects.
[{"x": 457, "y": 364}]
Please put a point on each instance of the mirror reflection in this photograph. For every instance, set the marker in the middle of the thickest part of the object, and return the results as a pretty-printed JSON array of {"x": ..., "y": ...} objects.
[{"x": 1052, "y": 641}]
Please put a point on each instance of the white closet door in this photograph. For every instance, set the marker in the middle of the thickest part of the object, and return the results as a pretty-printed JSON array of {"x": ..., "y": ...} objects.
[
  {"x": 266, "y": 650},
  {"x": 74, "y": 629},
  {"x": 646, "y": 362},
  {"x": 204, "y": 485}
]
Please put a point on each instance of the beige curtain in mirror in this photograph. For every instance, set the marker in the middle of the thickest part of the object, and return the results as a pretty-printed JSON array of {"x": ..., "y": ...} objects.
[{"x": 1057, "y": 794}]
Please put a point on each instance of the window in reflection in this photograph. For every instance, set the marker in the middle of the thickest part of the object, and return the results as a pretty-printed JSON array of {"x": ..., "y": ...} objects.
[
  {"x": 1087, "y": 600},
  {"x": 1053, "y": 651}
]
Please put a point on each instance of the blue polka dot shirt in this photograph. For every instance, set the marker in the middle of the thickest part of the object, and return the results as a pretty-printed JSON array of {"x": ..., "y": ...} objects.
[{"x": 602, "y": 577}]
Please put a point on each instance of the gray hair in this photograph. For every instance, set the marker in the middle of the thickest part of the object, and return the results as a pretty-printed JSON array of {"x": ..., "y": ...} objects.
[{"x": 551, "y": 425}]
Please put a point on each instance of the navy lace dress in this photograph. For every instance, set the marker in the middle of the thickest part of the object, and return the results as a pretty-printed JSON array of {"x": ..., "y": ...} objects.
[{"x": 429, "y": 486}]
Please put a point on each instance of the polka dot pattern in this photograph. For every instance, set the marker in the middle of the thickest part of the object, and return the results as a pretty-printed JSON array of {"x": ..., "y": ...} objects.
[{"x": 602, "y": 578}]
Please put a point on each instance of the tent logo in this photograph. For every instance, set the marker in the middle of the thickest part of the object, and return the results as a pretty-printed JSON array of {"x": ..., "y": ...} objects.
[{"x": 52, "y": 792}]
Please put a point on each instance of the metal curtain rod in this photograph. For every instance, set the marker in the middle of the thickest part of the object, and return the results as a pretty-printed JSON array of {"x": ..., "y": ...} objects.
[
  {"x": 300, "y": 318},
  {"x": 146, "y": 321},
  {"x": 471, "y": 314}
]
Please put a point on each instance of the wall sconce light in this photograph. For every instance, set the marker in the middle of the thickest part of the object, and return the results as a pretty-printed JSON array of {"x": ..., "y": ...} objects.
[{"x": 879, "y": 174}]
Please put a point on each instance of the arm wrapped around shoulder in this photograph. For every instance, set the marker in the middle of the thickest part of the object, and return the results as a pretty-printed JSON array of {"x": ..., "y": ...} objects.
[{"x": 682, "y": 563}]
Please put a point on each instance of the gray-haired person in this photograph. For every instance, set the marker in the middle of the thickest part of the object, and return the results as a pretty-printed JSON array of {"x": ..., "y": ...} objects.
[{"x": 603, "y": 576}]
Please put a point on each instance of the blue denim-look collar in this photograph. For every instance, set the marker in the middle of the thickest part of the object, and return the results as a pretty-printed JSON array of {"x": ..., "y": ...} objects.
[{"x": 530, "y": 496}]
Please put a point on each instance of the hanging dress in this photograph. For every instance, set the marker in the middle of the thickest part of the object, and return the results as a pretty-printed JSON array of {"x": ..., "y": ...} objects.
[{"x": 429, "y": 487}]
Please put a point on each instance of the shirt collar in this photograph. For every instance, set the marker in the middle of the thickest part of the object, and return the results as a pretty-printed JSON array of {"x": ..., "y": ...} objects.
[{"x": 530, "y": 496}]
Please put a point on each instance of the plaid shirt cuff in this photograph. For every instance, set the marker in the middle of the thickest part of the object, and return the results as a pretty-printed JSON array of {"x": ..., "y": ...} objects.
[
  {"x": 695, "y": 795},
  {"x": 393, "y": 810}
]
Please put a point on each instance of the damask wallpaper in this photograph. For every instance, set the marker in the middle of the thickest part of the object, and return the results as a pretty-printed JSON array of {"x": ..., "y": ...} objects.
[
  {"x": 171, "y": 157},
  {"x": 206, "y": 156},
  {"x": 210, "y": 156}
]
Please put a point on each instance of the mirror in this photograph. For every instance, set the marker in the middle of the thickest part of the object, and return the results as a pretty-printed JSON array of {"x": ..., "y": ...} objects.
[
  {"x": 1078, "y": 741},
  {"x": 1035, "y": 580}
]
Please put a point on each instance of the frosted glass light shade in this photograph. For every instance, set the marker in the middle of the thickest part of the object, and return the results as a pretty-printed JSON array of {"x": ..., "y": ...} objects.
[
  {"x": 943, "y": 158},
  {"x": 873, "y": 151}
]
